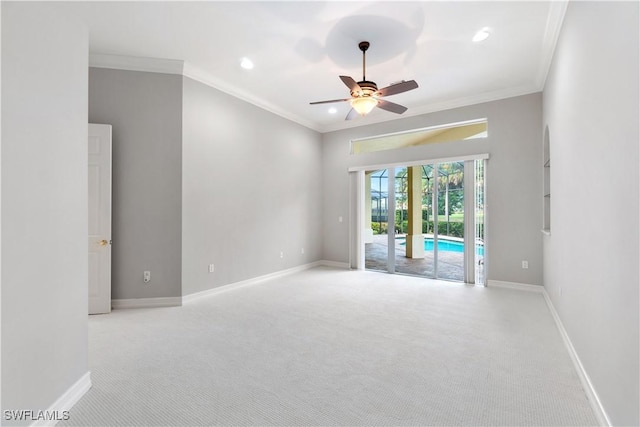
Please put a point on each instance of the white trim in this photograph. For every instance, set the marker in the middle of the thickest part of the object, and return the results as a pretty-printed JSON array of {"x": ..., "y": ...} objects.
[
  {"x": 514, "y": 285},
  {"x": 353, "y": 251},
  {"x": 466, "y": 101},
  {"x": 485, "y": 221},
  {"x": 205, "y": 78},
  {"x": 419, "y": 162},
  {"x": 555, "y": 19},
  {"x": 334, "y": 264},
  {"x": 469, "y": 222},
  {"x": 260, "y": 279},
  {"x": 146, "y": 302},
  {"x": 135, "y": 63},
  {"x": 391, "y": 221},
  {"x": 592, "y": 396},
  {"x": 183, "y": 68},
  {"x": 546, "y": 231},
  {"x": 66, "y": 401},
  {"x": 360, "y": 219}
]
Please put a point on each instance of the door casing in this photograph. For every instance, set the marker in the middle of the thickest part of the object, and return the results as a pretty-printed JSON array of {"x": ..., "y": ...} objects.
[{"x": 356, "y": 223}]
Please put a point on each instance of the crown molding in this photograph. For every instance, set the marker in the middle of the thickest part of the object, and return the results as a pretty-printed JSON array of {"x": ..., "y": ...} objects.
[
  {"x": 185, "y": 69},
  {"x": 203, "y": 77},
  {"x": 555, "y": 19},
  {"x": 135, "y": 63},
  {"x": 464, "y": 101}
]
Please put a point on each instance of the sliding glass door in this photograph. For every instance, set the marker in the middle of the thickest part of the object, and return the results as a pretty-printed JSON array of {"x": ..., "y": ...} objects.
[{"x": 426, "y": 220}]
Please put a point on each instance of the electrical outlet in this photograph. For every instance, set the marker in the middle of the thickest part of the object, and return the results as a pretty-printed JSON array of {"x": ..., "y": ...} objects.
[
  {"x": 302, "y": 251},
  {"x": 525, "y": 264},
  {"x": 339, "y": 219},
  {"x": 211, "y": 268},
  {"x": 281, "y": 254},
  {"x": 146, "y": 276}
]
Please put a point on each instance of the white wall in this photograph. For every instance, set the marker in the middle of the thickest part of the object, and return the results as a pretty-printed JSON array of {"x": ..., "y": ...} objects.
[
  {"x": 514, "y": 176},
  {"x": 252, "y": 188},
  {"x": 145, "y": 110},
  {"x": 44, "y": 205},
  {"x": 0, "y": 202},
  {"x": 591, "y": 256},
  {"x": 202, "y": 178}
]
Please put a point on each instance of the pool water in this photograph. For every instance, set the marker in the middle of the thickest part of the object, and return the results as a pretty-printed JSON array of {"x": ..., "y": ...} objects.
[{"x": 444, "y": 245}]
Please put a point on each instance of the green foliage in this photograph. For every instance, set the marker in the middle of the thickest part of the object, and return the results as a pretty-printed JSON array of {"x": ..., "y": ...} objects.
[
  {"x": 379, "y": 228},
  {"x": 456, "y": 229},
  {"x": 450, "y": 185}
]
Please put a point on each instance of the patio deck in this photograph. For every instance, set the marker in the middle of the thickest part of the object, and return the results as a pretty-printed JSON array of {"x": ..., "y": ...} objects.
[{"x": 450, "y": 264}]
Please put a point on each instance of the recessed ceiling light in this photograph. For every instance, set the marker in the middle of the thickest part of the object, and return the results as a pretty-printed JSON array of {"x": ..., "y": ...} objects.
[
  {"x": 481, "y": 35},
  {"x": 246, "y": 63},
  {"x": 332, "y": 110}
]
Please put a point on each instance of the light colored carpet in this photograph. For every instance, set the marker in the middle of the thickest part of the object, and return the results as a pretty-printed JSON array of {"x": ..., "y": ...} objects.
[{"x": 335, "y": 347}]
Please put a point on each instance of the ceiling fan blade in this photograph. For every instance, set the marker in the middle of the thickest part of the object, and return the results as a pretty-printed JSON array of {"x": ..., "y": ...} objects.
[
  {"x": 330, "y": 101},
  {"x": 398, "y": 88},
  {"x": 390, "y": 106},
  {"x": 351, "y": 84},
  {"x": 352, "y": 114}
]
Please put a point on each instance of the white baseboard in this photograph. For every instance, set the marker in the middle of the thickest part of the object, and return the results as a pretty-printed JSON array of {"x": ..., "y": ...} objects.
[
  {"x": 514, "y": 285},
  {"x": 334, "y": 264},
  {"x": 178, "y": 301},
  {"x": 259, "y": 279},
  {"x": 67, "y": 400},
  {"x": 590, "y": 391},
  {"x": 146, "y": 302}
]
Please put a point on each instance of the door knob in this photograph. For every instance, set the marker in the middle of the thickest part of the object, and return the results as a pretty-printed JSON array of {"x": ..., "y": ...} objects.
[{"x": 103, "y": 242}]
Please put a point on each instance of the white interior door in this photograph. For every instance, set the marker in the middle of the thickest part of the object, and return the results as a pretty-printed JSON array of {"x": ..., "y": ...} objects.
[{"x": 99, "y": 219}]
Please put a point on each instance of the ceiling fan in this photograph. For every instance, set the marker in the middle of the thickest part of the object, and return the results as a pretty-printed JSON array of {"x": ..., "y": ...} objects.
[{"x": 365, "y": 94}]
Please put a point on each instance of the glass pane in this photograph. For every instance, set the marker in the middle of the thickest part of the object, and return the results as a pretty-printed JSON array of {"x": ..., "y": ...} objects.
[
  {"x": 414, "y": 249},
  {"x": 376, "y": 211},
  {"x": 450, "y": 241}
]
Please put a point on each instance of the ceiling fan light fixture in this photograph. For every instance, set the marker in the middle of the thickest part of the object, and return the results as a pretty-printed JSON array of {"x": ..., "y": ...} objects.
[
  {"x": 365, "y": 95},
  {"x": 364, "y": 105}
]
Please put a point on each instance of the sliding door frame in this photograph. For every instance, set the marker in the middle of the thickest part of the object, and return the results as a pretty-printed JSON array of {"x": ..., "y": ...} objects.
[
  {"x": 356, "y": 224},
  {"x": 470, "y": 220},
  {"x": 391, "y": 220}
]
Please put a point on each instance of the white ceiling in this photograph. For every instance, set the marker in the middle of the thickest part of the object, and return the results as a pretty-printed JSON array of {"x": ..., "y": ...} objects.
[{"x": 300, "y": 48}]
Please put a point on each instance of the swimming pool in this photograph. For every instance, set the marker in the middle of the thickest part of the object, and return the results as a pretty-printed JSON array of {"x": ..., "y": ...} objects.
[{"x": 444, "y": 245}]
